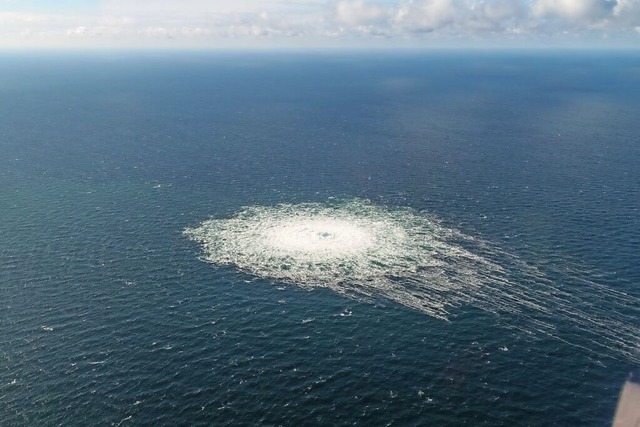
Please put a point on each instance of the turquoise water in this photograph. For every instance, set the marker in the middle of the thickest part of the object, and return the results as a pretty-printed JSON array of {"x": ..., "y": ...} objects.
[{"x": 110, "y": 314}]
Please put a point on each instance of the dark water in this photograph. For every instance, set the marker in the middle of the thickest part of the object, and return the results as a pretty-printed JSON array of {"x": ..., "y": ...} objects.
[{"x": 109, "y": 317}]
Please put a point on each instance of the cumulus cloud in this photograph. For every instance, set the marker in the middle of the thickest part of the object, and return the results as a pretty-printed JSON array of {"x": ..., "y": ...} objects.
[
  {"x": 627, "y": 12},
  {"x": 574, "y": 14},
  {"x": 582, "y": 10},
  {"x": 13, "y": 18},
  {"x": 357, "y": 12},
  {"x": 500, "y": 15},
  {"x": 321, "y": 22},
  {"x": 426, "y": 15}
]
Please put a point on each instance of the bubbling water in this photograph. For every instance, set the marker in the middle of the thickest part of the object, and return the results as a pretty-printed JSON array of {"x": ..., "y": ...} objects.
[
  {"x": 324, "y": 237},
  {"x": 372, "y": 253},
  {"x": 353, "y": 248}
]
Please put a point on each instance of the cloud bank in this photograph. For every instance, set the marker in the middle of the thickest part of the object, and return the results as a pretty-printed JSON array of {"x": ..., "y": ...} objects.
[{"x": 299, "y": 23}]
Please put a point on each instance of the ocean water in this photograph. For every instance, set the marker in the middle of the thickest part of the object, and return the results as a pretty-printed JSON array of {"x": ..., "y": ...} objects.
[{"x": 318, "y": 239}]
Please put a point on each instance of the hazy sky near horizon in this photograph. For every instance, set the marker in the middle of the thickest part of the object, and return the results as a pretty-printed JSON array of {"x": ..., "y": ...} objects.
[{"x": 318, "y": 23}]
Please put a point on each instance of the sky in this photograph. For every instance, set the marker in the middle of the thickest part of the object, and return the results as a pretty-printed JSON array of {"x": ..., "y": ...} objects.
[{"x": 215, "y": 24}]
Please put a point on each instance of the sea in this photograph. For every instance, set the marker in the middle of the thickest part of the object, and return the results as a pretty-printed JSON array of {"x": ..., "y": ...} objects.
[{"x": 371, "y": 238}]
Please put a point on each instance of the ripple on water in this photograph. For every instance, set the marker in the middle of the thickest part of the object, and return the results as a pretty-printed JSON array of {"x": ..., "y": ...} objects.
[{"x": 370, "y": 252}]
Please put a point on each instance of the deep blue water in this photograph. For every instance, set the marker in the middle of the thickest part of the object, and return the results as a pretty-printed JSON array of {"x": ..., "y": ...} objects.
[{"x": 108, "y": 316}]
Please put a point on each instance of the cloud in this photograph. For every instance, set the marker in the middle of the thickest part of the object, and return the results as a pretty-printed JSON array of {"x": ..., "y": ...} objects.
[
  {"x": 12, "y": 18},
  {"x": 500, "y": 15},
  {"x": 426, "y": 15},
  {"x": 627, "y": 12},
  {"x": 577, "y": 10},
  {"x": 355, "y": 13},
  {"x": 212, "y": 23}
]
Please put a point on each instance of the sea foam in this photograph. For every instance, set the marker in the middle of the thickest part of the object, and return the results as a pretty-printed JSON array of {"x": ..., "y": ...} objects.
[{"x": 373, "y": 253}]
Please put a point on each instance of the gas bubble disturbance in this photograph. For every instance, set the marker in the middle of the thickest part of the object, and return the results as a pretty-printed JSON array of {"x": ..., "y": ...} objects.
[{"x": 373, "y": 253}]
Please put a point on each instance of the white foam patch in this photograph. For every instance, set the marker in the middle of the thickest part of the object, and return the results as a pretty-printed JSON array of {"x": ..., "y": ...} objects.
[
  {"x": 326, "y": 237},
  {"x": 368, "y": 252}
]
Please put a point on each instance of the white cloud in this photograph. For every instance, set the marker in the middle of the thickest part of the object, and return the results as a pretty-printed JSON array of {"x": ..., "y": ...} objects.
[
  {"x": 214, "y": 23},
  {"x": 78, "y": 31},
  {"x": 12, "y": 18},
  {"x": 574, "y": 12},
  {"x": 426, "y": 15},
  {"x": 357, "y": 12},
  {"x": 503, "y": 15},
  {"x": 627, "y": 12}
]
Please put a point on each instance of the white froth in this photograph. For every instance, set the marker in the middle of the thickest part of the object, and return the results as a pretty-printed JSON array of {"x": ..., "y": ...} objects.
[
  {"x": 369, "y": 252},
  {"x": 319, "y": 238}
]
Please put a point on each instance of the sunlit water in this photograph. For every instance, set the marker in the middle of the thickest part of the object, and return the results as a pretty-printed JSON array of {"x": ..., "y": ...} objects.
[{"x": 406, "y": 239}]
